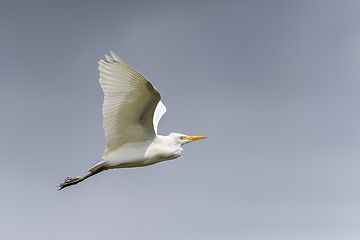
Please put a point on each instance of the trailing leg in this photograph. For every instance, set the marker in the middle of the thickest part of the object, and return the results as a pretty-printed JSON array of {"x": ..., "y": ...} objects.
[{"x": 72, "y": 181}]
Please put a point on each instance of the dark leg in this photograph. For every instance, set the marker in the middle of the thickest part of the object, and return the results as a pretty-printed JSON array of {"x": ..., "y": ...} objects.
[{"x": 72, "y": 181}]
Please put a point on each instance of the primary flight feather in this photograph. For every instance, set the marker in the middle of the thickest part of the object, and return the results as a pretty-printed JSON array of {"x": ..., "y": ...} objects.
[{"x": 132, "y": 110}]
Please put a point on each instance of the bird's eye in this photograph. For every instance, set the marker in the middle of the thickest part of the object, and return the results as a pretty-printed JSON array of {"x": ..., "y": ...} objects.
[{"x": 182, "y": 137}]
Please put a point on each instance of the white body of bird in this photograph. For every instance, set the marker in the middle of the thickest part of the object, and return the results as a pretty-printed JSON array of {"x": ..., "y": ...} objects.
[
  {"x": 144, "y": 153},
  {"x": 132, "y": 110}
]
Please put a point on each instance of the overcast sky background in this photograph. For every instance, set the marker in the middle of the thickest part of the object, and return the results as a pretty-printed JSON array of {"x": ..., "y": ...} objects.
[{"x": 273, "y": 84}]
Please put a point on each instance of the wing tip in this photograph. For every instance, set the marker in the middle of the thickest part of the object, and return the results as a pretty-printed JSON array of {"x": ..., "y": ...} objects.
[
  {"x": 109, "y": 59},
  {"x": 116, "y": 57},
  {"x": 112, "y": 58}
]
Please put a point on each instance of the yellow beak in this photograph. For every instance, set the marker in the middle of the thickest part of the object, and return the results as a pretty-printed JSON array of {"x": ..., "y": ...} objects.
[{"x": 193, "y": 138}]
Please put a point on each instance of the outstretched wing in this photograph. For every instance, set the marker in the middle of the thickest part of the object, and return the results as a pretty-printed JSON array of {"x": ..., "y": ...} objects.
[{"x": 129, "y": 104}]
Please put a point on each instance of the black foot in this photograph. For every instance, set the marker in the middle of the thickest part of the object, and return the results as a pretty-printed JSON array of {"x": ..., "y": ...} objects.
[{"x": 70, "y": 181}]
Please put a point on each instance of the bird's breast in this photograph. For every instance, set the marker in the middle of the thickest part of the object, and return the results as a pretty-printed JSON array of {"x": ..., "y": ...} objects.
[{"x": 162, "y": 152}]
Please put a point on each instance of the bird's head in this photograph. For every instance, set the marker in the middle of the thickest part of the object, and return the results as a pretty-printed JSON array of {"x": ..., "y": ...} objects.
[{"x": 183, "y": 139}]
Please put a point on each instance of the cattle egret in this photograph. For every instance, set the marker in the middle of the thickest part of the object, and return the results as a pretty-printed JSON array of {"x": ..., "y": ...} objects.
[{"x": 132, "y": 110}]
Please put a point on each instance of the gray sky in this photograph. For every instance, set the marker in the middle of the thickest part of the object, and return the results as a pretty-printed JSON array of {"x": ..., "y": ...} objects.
[{"x": 273, "y": 84}]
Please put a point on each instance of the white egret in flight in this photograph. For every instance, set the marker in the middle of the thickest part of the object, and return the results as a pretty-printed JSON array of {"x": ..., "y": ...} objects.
[{"x": 132, "y": 110}]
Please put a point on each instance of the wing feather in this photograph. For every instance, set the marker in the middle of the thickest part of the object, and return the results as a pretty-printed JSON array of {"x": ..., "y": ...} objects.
[
  {"x": 159, "y": 112},
  {"x": 129, "y": 104}
]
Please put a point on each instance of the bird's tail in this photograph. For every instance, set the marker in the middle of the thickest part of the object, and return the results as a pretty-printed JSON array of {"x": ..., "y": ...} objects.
[
  {"x": 72, "y": 181},
  {"x": 97, "y": 166}
]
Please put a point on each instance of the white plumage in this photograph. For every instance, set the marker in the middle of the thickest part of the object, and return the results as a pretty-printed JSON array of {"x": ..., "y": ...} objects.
[{"x": 132, "y": 110}]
